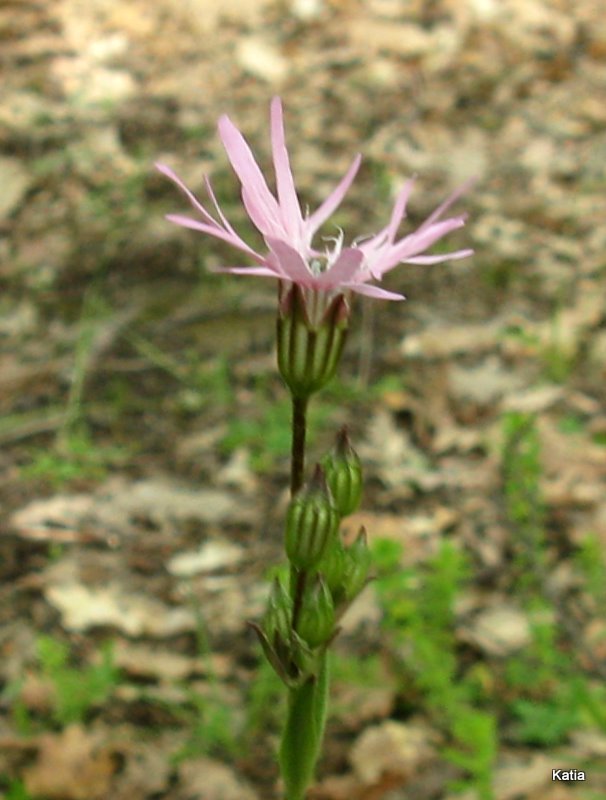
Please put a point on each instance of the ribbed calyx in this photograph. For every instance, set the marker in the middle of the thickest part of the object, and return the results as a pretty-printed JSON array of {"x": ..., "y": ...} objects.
[
  {"x": 311, "y": 336},
  {"x": 344, "y": 474},
  {"x": 317, "y": 618},
  {"x": 311, "y": 522}
]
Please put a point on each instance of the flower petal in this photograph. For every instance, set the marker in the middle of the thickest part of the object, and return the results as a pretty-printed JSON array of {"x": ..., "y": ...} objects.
[
  {"x": 290, "y": 263},
  {"x": 456, "y": 254},
  {"x": 343, "y": 270},
  {"x": 264, "y": 272},
  {"x": 222, "y": 217},
  {"x": 287, "y": 195},
  {"x": 399, "y": 210},
  {"x": 447, "y": 203},
  {"x": 165, "y": 170},
  {"x": 374, "y": 291},
  {"x": 260, "y": 203},
  {"x": 416, "y": 243},
  {"x": 216, "y": 231},
  {"x": 323, "y": 212}
]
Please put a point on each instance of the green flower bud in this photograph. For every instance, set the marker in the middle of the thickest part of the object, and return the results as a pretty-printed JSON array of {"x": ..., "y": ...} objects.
[
  {"x": 311, "y": 522},
  {"x": 358, "y": 561},
  {"x": 311, "y": 337},
  {"x": 278, "y": 616},
  {"x": 317, "y": 617},
  {"x": 332, "y": 566},
  {"x": 303, "y": 660},
  {"x": 344, "y": 474}
]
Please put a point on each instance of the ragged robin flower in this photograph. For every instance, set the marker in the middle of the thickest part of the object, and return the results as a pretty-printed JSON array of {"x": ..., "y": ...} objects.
[{"x": 291, "y": 256}]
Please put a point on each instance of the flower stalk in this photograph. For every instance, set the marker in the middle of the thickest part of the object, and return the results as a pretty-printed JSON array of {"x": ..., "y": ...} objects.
[
  {"x": 314, "y": 292},
  {"x": 299, "y": 434}
]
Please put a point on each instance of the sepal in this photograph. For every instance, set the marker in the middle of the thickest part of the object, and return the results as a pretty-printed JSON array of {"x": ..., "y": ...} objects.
[
  {"x": 310, "y": 341},
  {"x": 317, "y": 617},
  {"x": 358, "y": 562},
  {"x": 344, "y": 474},
  {"x": 311, "y": 523}
]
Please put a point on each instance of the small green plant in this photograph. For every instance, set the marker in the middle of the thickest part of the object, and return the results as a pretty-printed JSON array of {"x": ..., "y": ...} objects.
[
  {"x": 16, "y": 791},
  {"x": 265, "y": 701},
  {"x": 77, "y": 456},
  {"x": 475, "y": 735},
  {"x": 558, "y": 358},
  {"x": 209, "y": 718},
  {"x": 418, "y": 614},
  {"x": 524, "y": 506},
  {"x": 267, "y": 430},
  {"x": 571, "y": 424},
  {"x": 552, "y": 695},
  {"x": 76, "y": 690},
  {"x": 210, "y": 723},
  {"x": 74, "y": 454},
  {"x": 591, "y": 562}
]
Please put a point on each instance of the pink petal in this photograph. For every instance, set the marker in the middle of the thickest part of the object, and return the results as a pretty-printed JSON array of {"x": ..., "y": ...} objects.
[
  {"x": 260, "y": 202},
  {"x": 190, "y": 195},
  {"x": 291, "y": 263},
  {"x": 268, "y": 225},
  {"x": 420, "y": 240},
  {"x": 448, "y": 202},
  {"x": 343, "y": 270},
  {"x": 456, "y": 254},
  {"x": 215, "y": 203},
  {"x": 323, "y": 212},
  {"x": 374, "y": 291},
  {"x": 399, "y": 210},
  {"x": 214, "y": 230},
  {"x": 264, "y": 272},
  {"x": 287, "y": 195}
]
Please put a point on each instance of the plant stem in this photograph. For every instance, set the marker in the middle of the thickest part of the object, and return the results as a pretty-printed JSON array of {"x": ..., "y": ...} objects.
[
  {"x": 299, "y": 429},
  {"x": 300, "y": 579},
  {"x": 304, "y": 731},
  {"x": 306, "y": 717},
  {"x": 297, "y": 475}
]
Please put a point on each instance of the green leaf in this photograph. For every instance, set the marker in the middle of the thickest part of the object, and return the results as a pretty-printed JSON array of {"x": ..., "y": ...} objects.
[{"x": 300, "y": 748}]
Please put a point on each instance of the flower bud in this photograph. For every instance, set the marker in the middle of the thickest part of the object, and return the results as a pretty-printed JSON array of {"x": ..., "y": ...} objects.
[
  {"x": 344, "y": 474},
  {"x": 303, "y": 661},
  {"x": 317, "y": 616},
  {"x": 277, "y": 618},
  {"x": 332, "y": 566},
  {"x": 311, "y": 522},
  {"x": 358, "y": 561},
  {"x": 310, "y": 339}
]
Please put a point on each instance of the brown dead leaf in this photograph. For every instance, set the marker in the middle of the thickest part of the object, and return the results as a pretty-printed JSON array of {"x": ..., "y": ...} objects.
[
  {"x": 211, "y": 556},
  {"x": 444, "y": 342},
  {"x": 207, "y": 779},
  {"x": 499, "y": 631},
  {"x": 147, "y": 768},
  {"x": 392, "y": 748},
  {"x": 521, "y": 778},
  {"x": 84, "y": 607},
  {"x": 71, "y": 765},
  {"x": 143, "y": 661},
  {"x": 360, "y": 704},
  {"x": 481, "y": 386}
]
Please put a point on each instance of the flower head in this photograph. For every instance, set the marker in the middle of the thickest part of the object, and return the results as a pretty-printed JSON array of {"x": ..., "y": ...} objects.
[{"x": 288, "y": 234}]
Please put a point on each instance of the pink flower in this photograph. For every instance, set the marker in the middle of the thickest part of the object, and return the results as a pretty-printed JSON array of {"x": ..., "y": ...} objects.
[{"x": 288, "y": 234}]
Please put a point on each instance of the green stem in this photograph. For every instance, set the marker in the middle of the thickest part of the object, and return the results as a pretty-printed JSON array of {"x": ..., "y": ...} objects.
[
  {"x": 297, "y": 476},
  {"x": 304, "y": 732},
  {"x": 299, "y": 430}
]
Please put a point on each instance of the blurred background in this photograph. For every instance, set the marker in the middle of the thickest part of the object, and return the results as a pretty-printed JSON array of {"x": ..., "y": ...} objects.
[{"x": 145, "y": 434}]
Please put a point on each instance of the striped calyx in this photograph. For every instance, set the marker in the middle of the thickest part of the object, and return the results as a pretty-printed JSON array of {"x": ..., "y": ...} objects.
[
  {"x": 311, "y": 335},
  {"x": 311, "y": 522},
  {"x": 344, "y": 474}
]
